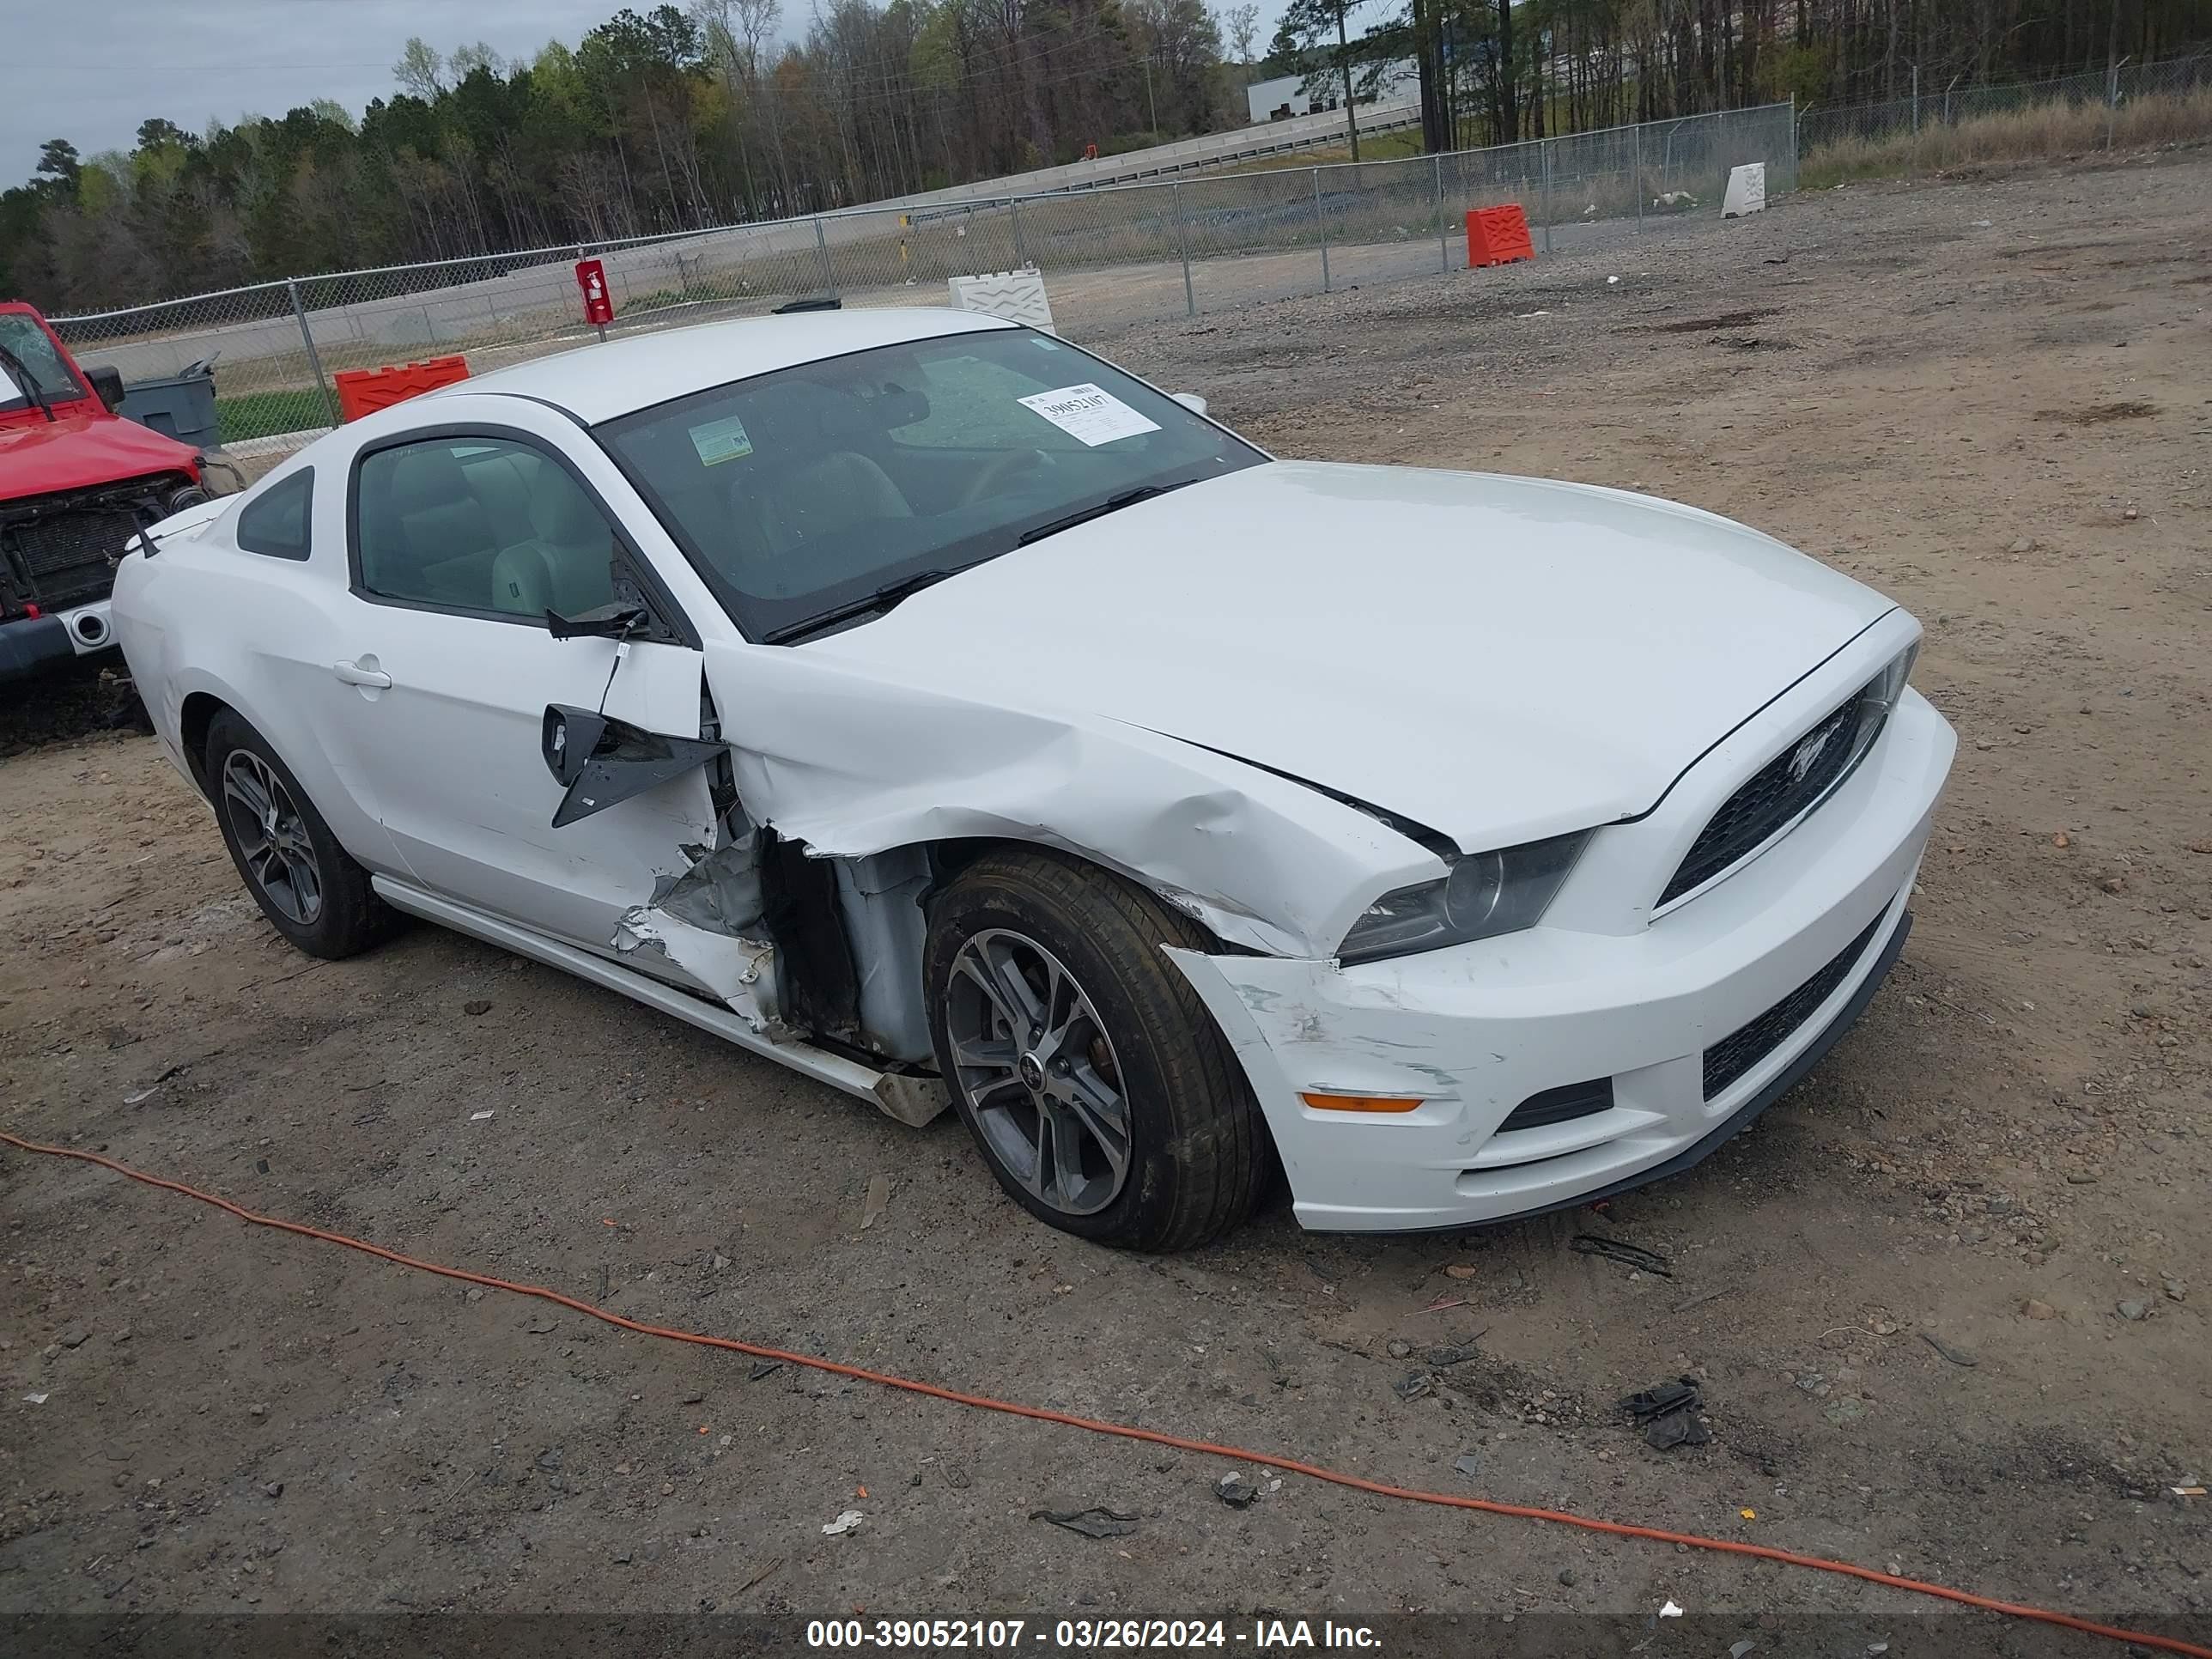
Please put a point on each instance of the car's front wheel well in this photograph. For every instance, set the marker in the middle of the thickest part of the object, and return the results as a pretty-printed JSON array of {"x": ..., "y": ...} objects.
[{"x": 949, "y": 858}]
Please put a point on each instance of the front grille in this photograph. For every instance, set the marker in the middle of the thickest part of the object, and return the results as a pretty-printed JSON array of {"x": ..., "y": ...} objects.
[
  {"x": 68, "y": 555},
  {"x": 1793, "y": 780},
  {"x": 1561, "y": 1105},
  {"x": 1736, "y": 1054}
]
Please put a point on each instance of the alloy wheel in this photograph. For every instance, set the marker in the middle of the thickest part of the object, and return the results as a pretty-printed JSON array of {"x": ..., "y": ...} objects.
[
  {"x": 1034, "y": 1063},
  {"x": 272, "y": 837}
]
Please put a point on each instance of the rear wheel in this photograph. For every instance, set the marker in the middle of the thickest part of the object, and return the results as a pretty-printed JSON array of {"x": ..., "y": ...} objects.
[
  {"x": 1084, "y": 1066},
  {"x": 312, "y": 891}
]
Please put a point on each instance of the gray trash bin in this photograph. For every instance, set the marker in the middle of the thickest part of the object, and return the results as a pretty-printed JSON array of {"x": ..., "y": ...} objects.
[{"x": 181, "y": 407}]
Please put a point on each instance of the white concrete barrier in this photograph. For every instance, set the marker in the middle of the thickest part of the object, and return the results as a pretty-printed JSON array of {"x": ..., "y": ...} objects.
[
  {"x": 1017, "y": 296},
  {"x": 1747, "y": 190}
]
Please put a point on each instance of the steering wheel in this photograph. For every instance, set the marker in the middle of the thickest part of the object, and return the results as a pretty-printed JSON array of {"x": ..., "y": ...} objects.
[{"x": 1001, "y": 468}]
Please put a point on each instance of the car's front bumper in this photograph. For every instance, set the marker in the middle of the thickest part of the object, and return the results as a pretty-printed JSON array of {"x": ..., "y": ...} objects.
[
  {"x": 1474, "y": 1030},
  {"x": 35, "y": 645},
  {"x": 32, "y": 645}
]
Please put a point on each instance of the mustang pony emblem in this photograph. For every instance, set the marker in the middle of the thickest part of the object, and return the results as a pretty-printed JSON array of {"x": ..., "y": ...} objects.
[{"x": 1807, "y": 754}]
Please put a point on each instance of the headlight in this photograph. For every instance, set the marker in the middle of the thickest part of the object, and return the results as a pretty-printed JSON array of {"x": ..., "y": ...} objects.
[
  {"x": 1485, "y": 894},
  {"x": 1878, "y": 702}
]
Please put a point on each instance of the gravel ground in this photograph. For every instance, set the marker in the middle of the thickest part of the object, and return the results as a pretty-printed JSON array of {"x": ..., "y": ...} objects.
[{"x": 1947, "y": 1304}]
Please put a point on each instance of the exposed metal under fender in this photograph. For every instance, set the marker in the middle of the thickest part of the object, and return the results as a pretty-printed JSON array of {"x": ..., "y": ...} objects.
[
  {"x": 854, "y": 762},
  {"x": 711, "y": 924},
  {"x": 880, "y": 899}
]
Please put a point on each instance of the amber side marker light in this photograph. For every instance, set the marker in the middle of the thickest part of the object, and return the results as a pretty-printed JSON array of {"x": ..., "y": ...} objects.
[{"x": 1321, "y": 1102}]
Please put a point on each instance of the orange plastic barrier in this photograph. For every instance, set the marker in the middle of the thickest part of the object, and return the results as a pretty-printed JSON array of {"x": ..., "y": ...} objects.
[
  {"x": 364, "y": 391},
  {"x": 1498, "y": 236}
]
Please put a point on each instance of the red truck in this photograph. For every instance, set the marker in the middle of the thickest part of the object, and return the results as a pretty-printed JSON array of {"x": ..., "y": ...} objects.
[{"x": 76, "y": 481}]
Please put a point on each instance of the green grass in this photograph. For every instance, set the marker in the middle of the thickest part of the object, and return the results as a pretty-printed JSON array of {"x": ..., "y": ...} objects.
[{"x": 265, "y": 414}]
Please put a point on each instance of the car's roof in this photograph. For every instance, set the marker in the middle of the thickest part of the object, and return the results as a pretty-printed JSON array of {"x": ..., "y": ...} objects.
[{"x": 598, "y": 382}]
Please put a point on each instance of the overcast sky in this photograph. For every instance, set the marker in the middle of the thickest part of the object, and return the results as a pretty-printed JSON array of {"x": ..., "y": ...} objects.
[{"x": 90, "y": 72}]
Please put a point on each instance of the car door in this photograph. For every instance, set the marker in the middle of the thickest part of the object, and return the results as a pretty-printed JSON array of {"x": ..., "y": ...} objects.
[{"x": 460, "y": 537}]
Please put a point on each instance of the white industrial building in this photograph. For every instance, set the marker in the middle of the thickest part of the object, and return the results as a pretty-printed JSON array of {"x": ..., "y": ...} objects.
[{"x": 1286, "y": 95}]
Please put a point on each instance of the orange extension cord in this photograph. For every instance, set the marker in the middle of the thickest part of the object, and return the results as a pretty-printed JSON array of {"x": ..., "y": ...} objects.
[{"x": 1291, "y": 1466}]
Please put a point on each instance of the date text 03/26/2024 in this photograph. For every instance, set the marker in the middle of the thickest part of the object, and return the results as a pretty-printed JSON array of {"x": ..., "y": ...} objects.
[{"x": 1090, "y": 1635}]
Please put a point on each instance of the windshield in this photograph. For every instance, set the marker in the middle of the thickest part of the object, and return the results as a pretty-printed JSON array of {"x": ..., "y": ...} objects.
[
  {"x": 802, "y": 491},
  {"x": 22, "y": 335}
]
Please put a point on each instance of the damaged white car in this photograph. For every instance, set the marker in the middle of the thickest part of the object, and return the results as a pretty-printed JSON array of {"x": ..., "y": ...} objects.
[{"x": 922, "y": 701}]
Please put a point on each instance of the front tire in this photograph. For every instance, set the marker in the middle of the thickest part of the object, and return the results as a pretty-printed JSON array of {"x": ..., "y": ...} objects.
[
  {"x": 1086, "y": 1066},
  {"x": 306, "y": 884}
]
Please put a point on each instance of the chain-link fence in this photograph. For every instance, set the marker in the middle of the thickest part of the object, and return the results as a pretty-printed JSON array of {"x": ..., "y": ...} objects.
[
  {"x": 1931, "y": 104},
  {"x": 1110, "y": 257}
]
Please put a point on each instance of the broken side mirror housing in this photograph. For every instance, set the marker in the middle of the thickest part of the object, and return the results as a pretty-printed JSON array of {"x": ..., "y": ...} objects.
[
  {"x": 567, "y": 739},
  {"x": 601, "y": 761}
]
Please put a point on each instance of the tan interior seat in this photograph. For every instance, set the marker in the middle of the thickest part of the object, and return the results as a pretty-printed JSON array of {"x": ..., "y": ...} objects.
[{"x": 566, "y": 564}]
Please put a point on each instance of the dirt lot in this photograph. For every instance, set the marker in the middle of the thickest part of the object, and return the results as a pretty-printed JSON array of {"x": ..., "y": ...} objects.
[{"x": 1991, "y": 398}]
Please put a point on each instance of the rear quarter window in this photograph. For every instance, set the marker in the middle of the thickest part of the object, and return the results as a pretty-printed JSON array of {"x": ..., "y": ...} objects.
[{"x": 275, "y": 524}]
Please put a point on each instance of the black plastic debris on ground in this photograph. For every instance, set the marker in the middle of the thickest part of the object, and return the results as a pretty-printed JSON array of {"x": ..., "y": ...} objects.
[
  {"x": 1620, "y": 1250},
  {"x": 1235, "y": 1491},
  {"x": 1091, "y": 1523},
  {"x": 1671, "y": 1414}
]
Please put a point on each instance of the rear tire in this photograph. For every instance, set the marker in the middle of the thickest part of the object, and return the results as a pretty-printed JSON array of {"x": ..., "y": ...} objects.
[
  {"x": 306, "y": 884},
  {"x": 1089, "y": 1074}
]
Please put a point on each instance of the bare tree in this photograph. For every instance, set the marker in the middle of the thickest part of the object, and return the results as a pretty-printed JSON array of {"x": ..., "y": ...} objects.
[
  {"x": 420, "y": 71},
  {"x": 466, "y": 60},
  {"x": 1241, "y": 24}
]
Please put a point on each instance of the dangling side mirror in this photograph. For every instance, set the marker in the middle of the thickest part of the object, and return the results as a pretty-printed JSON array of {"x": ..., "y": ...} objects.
[{"x": 601, "y": 761}]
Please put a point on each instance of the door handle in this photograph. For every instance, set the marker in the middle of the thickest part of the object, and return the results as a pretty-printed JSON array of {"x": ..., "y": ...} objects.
[{"x": 353, "y": 674}]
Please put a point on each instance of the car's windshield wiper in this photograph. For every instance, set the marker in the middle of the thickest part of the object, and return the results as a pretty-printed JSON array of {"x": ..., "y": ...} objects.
[
  {"x": 19, "y": 372},
  {"x": 1111, "y": 504},
  {"x": 883, "y": 598}
]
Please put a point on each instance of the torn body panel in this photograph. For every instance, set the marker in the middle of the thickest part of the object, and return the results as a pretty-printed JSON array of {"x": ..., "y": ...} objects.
[
  {"x": 854, "y": 763},
  {"x": 798, "y": 947},
  {"x": 709, "y": 923},
  {"x": 741, "y": 971}
]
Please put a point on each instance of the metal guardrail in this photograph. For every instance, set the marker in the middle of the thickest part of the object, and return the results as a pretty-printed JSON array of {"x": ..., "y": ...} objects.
[{"x": 1111, "y": 253}]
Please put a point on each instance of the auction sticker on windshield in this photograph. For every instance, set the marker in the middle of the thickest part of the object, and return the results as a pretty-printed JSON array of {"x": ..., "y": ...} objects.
[
  {"x": 1088, "y": 414},
  {"x": 720, "y": 440}
]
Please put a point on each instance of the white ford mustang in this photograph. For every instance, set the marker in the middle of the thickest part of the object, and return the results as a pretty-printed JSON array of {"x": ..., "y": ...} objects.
[{"x": 925, "y": 704}]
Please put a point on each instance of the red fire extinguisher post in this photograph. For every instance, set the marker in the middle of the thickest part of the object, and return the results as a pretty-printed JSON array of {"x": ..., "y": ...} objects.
[{"x": 598, "y": 304}]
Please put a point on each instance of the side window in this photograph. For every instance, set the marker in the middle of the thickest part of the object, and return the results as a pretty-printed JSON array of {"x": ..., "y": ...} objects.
[
  {"x": 277, "y": 523},
  {"x": 480, "y": 524}
]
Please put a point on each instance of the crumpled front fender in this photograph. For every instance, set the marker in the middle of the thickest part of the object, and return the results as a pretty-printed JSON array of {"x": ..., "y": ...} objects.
[{"x": 852, "y": 763}]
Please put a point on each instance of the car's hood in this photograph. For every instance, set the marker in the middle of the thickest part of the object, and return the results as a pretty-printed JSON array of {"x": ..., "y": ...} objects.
[
  {"x": 77, "y": 451},
  {"x": 1497, "y": 658}
]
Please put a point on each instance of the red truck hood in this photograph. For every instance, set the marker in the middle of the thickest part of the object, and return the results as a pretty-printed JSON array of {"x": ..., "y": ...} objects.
[{"x": 77, "y": 450}]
